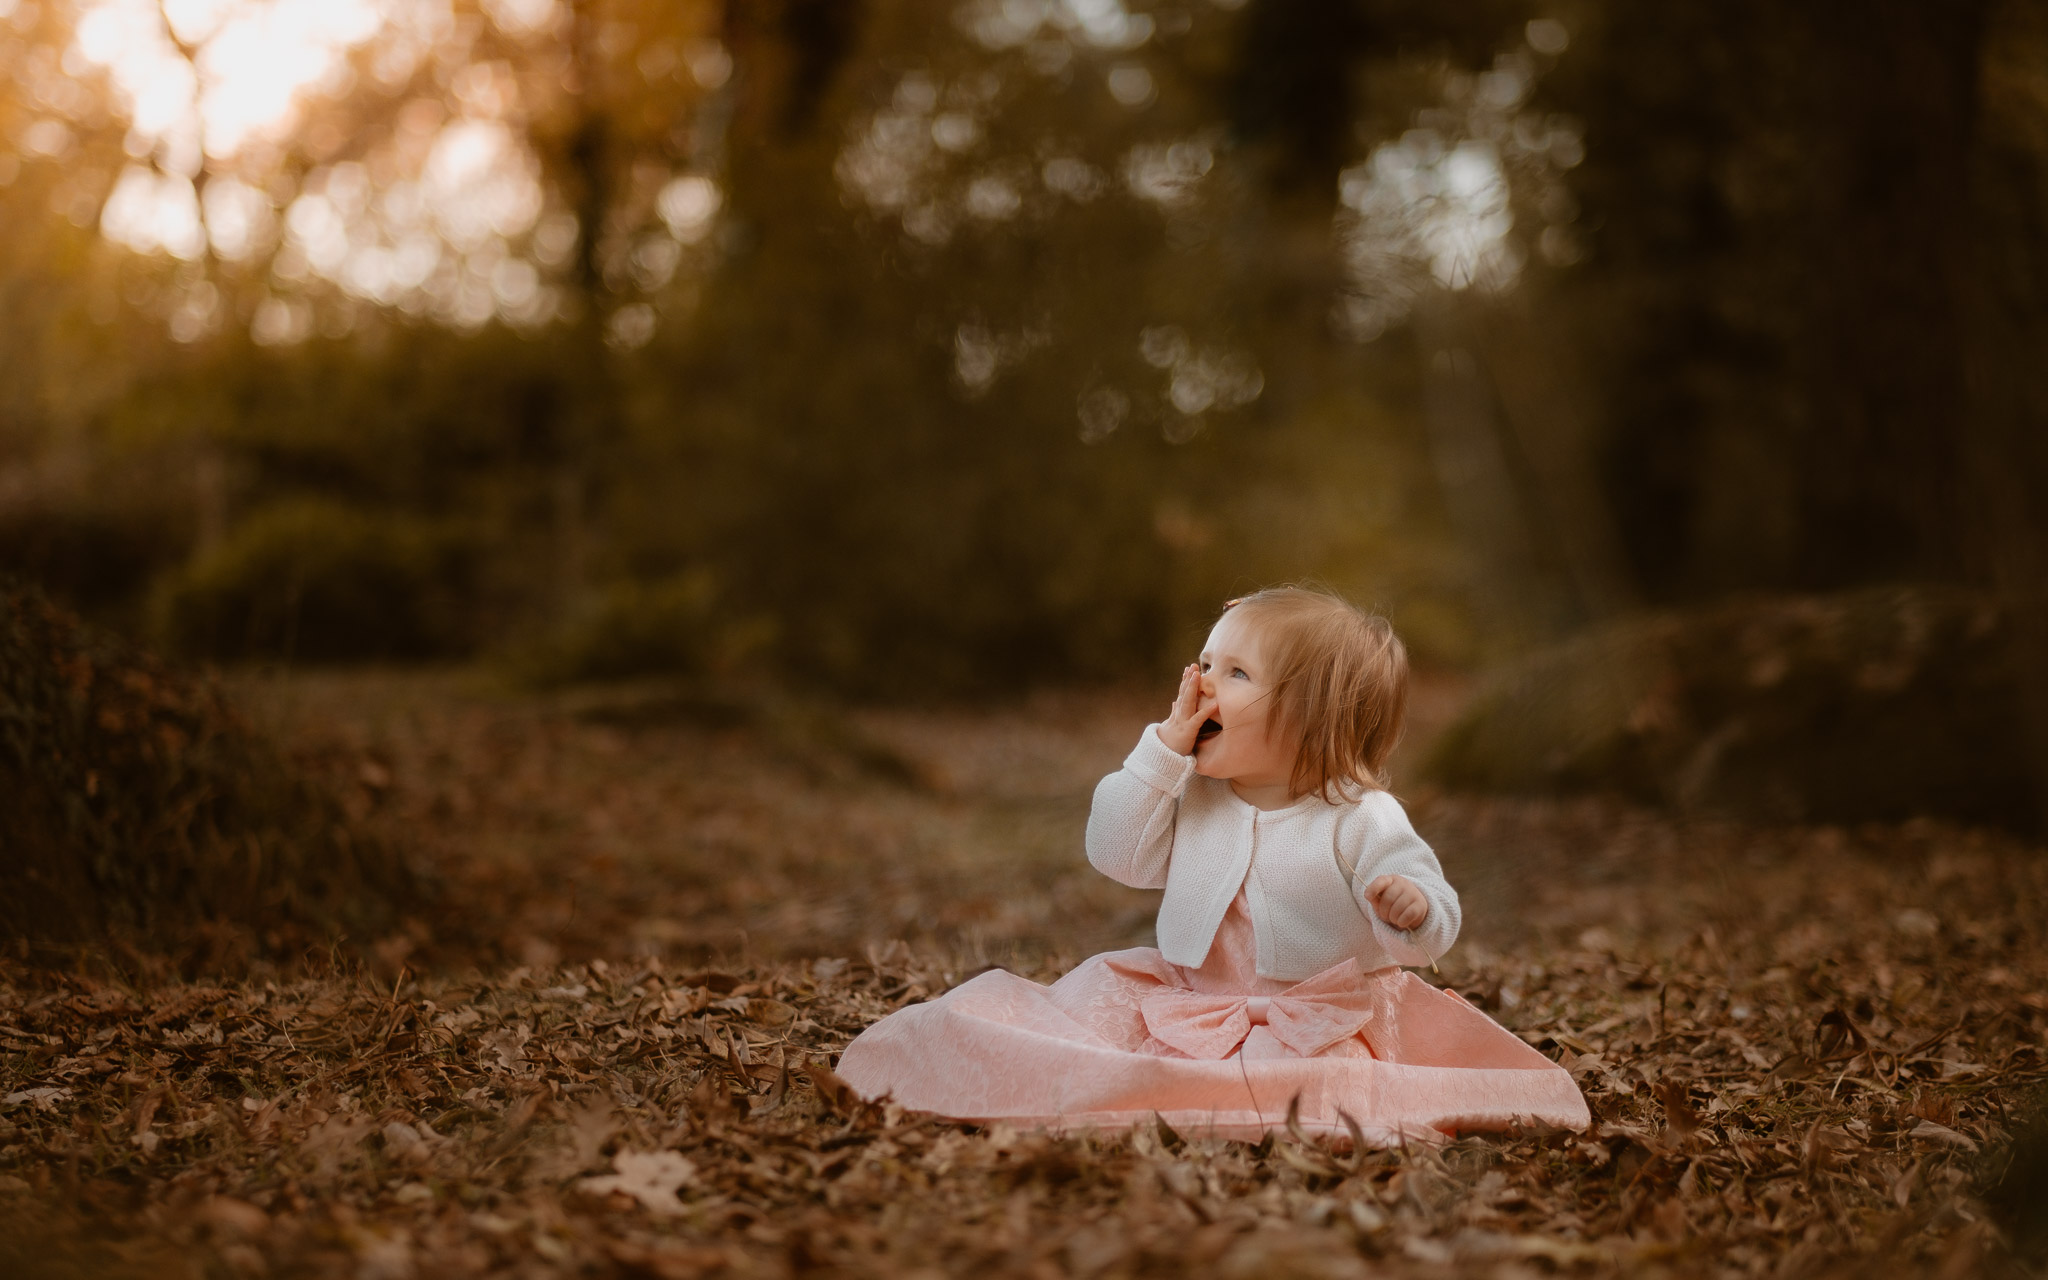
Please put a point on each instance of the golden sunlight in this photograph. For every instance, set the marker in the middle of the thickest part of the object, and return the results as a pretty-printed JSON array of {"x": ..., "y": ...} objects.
[
  {"x": 250, "y": 60},
  {"x": 441, "y": 208},
  {"x": 201, "y": 80}
]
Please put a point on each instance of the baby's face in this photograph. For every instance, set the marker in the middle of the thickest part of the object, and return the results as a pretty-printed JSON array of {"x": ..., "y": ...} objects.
[{"x": 1241, "y": 747}]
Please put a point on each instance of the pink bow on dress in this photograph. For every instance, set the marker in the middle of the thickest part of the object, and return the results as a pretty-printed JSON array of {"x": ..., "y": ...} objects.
[{"x": 1308, "y": 1017}]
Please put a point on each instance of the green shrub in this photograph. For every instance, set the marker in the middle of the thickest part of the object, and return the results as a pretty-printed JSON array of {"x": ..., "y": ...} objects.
[
  {"x": 668, "y": 626},
  {"x": 318, "y": 580}
]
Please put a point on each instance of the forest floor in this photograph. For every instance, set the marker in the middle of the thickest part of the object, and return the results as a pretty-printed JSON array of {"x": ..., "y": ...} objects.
[{"x": 1804, "y": 1047}]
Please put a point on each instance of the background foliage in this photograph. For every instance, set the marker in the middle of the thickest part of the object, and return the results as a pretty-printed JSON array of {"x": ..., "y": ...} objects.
[{"x": 907, "y": 345}]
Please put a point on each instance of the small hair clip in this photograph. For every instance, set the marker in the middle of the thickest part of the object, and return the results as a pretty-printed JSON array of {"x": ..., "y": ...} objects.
[{"x": 1232, "y": 604}]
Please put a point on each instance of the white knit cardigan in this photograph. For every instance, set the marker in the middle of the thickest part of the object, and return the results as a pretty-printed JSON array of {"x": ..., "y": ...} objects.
[{"x": 1155, "y": 824}]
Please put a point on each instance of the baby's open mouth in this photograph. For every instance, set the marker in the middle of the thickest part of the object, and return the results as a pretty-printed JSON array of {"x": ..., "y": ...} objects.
[{"x": 1208, "y": 730}]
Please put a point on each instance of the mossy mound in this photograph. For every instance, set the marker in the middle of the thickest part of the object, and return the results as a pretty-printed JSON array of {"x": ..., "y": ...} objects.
[
  {"x": 1868, "y": 706},
  {"x": 144, "y": 816}
]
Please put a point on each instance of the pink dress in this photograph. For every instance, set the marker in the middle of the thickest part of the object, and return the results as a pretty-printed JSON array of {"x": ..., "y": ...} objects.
[{"x": 1215, "y": 1051}]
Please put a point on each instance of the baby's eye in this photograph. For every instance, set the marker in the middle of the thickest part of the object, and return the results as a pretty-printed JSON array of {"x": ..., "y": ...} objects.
[
  {"x": 1205, "y": 668},
  {"x": 1239, "y": 673}
]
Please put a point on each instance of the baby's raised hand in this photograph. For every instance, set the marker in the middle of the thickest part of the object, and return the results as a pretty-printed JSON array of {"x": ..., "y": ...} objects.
[
  {"x": 1397, "y": 901},
  {"x": 1184, "y": 721}
]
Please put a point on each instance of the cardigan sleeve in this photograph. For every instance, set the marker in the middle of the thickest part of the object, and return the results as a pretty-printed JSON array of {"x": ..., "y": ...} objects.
[
  {"x": 1383, "y": 842},
  {"x": 1130, "y": 823}
]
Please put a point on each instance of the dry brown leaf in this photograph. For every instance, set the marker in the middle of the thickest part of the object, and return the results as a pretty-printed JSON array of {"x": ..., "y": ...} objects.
[
  {"x": 651, "y": 1177},
  {"x": 1928, "y": 1131}
]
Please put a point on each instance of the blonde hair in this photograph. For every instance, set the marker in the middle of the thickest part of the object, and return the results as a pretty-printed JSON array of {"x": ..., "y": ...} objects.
[{"x": 1339, "y": 680}]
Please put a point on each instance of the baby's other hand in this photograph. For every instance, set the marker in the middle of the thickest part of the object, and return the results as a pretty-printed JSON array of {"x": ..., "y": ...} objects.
[
  {"x": 1183, "y": 723},
  {"x": 1398, "y": 901}
]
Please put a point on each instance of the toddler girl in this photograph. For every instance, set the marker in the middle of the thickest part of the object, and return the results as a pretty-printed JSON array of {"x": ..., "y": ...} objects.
[{"x": 1294, "y": 890}]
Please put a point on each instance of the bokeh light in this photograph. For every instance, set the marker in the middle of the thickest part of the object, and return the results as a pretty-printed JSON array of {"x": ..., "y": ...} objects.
[
  {"x": 1435, "y": 208},
  {"x": 252, "y": 62},
  {"x": 375, "y": 152}
]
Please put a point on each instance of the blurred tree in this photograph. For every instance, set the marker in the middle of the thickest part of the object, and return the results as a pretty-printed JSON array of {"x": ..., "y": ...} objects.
[
  {"x": 1015, "y": 415},
  {"x": 1784, "y": 204},
  {"x": 2004, "y": 305}
]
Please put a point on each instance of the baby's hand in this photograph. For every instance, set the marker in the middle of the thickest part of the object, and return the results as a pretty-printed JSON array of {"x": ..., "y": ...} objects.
[
  {"x": 1183, "y": 722},
  {"x": 1398, "y": 901}
]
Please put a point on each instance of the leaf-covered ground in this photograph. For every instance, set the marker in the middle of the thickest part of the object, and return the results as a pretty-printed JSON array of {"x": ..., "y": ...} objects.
[{"x": 1804, "y": 1048}]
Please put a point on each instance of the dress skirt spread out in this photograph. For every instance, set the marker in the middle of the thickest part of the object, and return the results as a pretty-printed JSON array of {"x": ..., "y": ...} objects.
[{"x": 1216, "y": 1051}]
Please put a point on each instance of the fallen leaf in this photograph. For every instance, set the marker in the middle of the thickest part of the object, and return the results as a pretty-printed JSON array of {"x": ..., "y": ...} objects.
[
  {"x": 509, "y": 1045},
  {"x": 238, "y": 1217},
  {"x": 1928, "y": 1131},
  {"x": 1682, "y": 1120},
  {"x": 832, "y": 1091},
  {"x": 667, "y": 1262},
  {"x": 651, "y": 1177}
]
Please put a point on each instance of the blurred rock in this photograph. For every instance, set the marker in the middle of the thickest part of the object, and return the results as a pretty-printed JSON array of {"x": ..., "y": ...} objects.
[{"x": 1873, "y": 705}]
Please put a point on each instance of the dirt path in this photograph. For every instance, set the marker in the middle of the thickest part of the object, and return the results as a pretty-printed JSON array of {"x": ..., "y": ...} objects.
[{"x": 1802, "y": 1045}]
